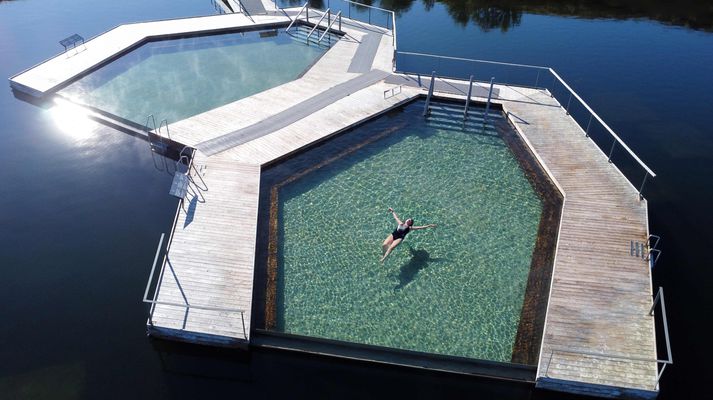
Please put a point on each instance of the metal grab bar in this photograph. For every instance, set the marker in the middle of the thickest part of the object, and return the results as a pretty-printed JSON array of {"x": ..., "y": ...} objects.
[
  {"x": 164, "y": 123},
  {"x": 654, "y": 252},
  {"x": 659, "y": 299},
  {"x": 339, "y": 17},
  {"x": 306, "y": 5},
  {"x": 191, "y": 166},
  {"x": 324, "y": 14}
]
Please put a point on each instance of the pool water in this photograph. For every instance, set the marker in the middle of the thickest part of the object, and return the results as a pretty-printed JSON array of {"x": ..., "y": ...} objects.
[
  {"x": 456, "y": 289},
  {"x": 179, "y": 78}
]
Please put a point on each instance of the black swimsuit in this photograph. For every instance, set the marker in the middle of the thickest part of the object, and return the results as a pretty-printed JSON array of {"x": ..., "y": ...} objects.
[{"x": 399, "y": 233}]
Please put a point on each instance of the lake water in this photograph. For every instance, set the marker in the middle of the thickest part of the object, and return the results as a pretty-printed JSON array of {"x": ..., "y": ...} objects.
[{"x": 81, "y": 212}]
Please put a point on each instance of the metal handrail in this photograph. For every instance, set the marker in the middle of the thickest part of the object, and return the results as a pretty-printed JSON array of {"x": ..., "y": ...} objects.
[
  {"x": 604, "y": 124},
  {"x": 654, "y": 252},
  {"x": 338, "y": 16},
  {"x": 187, "y": 306},
  {"x": 669, "y": 359},
  {"x": 306, "y": 5},
  {"x": 324, "y": 14},
  {"x": 164, "y": 122},
  {"x": 393, "y": 18},
  {"x": 150, "y": 118},
  {"x": 592, "y": 113}
]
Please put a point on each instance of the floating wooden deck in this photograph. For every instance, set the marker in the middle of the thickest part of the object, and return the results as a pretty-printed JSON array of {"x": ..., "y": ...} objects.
[
  {"x": 600, "y": 295},
  {"x": 597, "y": 322},
  {"x": 209, "y": 266}
]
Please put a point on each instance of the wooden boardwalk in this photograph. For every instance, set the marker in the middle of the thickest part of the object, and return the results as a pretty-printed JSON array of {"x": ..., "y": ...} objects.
[
  {"x": 211, "y": 259},
  {"x": 53, "y": 73},
  {"x": 600, "y": 296},
  {"x": 597, "y": 324}
]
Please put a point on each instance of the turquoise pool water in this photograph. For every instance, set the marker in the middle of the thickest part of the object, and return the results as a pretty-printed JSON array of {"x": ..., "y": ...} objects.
[
  {"x": 177, "y": 79},
  {"x": 456, "y": 289}
]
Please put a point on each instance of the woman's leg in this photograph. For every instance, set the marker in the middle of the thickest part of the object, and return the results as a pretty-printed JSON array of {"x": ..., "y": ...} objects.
[
  {"x": 391, "y": 247},
  {"x": 387, "y": 243}
]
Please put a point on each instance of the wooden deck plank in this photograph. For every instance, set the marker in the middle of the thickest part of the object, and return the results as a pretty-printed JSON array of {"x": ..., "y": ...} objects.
[
  {"x": 600, "y": 295},
  {"x": 212, "y": 254}
]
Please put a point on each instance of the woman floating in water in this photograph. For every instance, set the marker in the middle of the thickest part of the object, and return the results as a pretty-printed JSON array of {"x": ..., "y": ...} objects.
[{"x": 398, "y": 235}]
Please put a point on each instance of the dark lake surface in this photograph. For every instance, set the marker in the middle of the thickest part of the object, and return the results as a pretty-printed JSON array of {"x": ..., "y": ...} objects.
[{"x": 80, "y": 215}]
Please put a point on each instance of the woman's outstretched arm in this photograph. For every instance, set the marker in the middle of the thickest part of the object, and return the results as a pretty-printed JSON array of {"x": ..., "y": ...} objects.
[
  {"x": 396, "y": 217},
  {"x": 424, "y": 226}
]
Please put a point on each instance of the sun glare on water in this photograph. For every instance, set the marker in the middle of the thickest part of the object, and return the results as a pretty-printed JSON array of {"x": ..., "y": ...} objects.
[{"x": 72, "y": 120}]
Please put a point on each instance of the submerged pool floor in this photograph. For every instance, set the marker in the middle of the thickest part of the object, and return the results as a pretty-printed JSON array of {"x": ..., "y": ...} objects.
[
  {"x": 456, "y": 289},
  {"x": 179, "y": 78}
]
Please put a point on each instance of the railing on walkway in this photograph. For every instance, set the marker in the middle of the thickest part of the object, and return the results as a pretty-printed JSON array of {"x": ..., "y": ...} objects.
[
  {"x": 386, "y": 15},
  {"x": 660, "y": 363},
  {"x": 356, "y": 11},
  {"x": 522, "y": 75},
  {"x": 187, "y": 306}
]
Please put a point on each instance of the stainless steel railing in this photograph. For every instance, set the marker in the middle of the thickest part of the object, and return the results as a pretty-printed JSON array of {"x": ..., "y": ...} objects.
[
  {"x": 304, "y": 7},
  {"x": 468, "y": 66},
  {"x": 660, "y": 363},
  {"x": 319, "y": 21},
  {"x": 329, "y": 26},
  {"x": 390, "y": 16}
]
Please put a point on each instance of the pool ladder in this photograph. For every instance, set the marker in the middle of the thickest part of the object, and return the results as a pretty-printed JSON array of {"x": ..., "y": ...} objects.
[
  {"x": 158, "y": 145},
  {"x": 183, "y": 181},
  {"x": 330, "y": 22},
  {"x": 648, "y": 251}
]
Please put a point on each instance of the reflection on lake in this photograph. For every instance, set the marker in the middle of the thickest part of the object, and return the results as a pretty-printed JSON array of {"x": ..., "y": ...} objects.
[
  {"x": 506, "y": 14},
  {"x": 80, "y": 218}
]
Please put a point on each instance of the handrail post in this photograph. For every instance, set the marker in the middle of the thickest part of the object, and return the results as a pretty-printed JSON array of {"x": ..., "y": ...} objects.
[
  {"x": 660, "y": 299},
  {"x": 329, "y": 26},
  {"x": 586, "y": 132},
  {"x": 430, "y": 93},
  {"x": 467, "y": 100},
  {"x": 304, "y": 7},
  {"x": 611, "y": 152},
  {"x": 153, "y": 269},
  {"x": 490, "y": 95},
  {"x": 316, "y": 25},
  {"x": 537, "y": 80},
  {"x": 547, "y": 370},
  {"x": 641, "y": 188},
  {"x": 242, "y": 316},
  {"x": 569, "y": 102}
]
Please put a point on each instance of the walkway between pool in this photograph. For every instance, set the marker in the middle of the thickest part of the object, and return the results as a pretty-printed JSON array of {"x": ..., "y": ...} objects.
[
  {"x": 291, "y": 115},
  {"x": 211, "y": 256}
]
